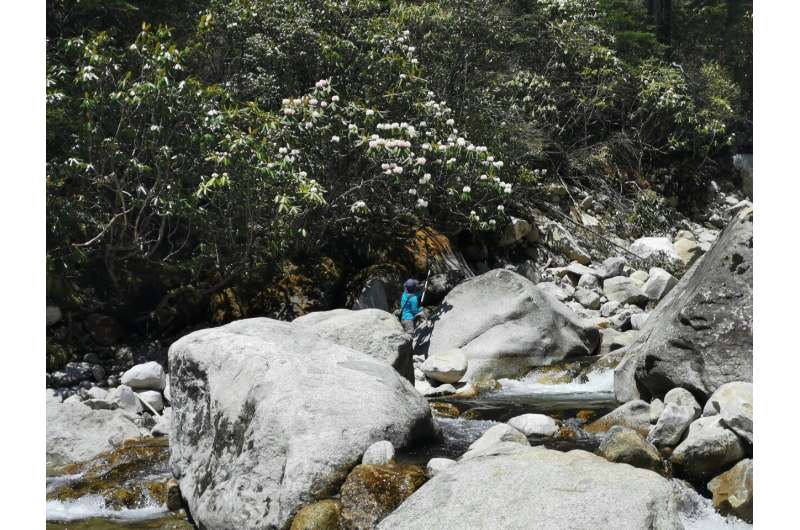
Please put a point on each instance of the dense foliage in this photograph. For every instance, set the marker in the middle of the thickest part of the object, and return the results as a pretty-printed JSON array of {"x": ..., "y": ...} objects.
[{"x": 208, "y": 144}]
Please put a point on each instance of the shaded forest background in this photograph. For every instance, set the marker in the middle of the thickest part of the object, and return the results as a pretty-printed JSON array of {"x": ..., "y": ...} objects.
[{"x": 204, "y": 158}]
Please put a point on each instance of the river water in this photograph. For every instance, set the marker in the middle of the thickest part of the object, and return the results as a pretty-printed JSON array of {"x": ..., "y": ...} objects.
[{"x": 536, "y": 393}]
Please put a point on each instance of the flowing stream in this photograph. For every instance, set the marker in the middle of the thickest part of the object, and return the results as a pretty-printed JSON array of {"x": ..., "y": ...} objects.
[{"x": 558, "y": 393}]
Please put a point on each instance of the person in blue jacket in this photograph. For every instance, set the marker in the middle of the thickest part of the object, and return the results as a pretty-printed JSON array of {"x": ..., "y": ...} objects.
[{"x": 409, "y": 305}]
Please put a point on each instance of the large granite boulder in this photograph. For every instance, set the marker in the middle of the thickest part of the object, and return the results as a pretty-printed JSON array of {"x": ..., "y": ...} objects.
[
  {"x": 371, "y": 331},
  {"x": 505, "y": 325},
  {"x": 76, "y": 433},
  {"x": 701, "y": 334},
  {"x": 532, "y": 487},
  {"x": 268, "y": 417}
]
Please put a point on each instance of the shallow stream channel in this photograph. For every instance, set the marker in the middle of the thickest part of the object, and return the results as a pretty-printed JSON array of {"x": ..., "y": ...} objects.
[{"x": 132, "y": 499}]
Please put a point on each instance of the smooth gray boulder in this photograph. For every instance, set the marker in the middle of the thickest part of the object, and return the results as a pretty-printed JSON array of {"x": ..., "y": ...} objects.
[
  {"x": 437, "y": 465},
  {"x": 153, "y": 399},
  {"x": 709, "y": 448},
  {"x": 624, "y": 290},
  {"x": 497, "y": 434},
  {"x": 76, "y": 433},
  {"x": 505, "y": 325},
  {"x": 125, "y": 398},
  {"x": 700, "y": 336},
  {"x": 533, "y": 487},
  {"x": 672, "y": 423},
  {"x": 734, "y": 403},
  {"x": 534, "y": 425},
  {"x": 145, "y": 376},
  {"x": 268, "y": 417},
  {"x": 633, "y": 415},
  {"x": 447, "y": 366},
  {"x": 379, "y": 453},
  {"x": 370, "y": 331}
]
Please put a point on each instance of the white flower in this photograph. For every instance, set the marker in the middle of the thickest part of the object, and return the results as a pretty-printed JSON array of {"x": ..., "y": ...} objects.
[
  {"x": 461, "y": 142},
  {"x": 283, "y": 150},
  {"x": 288, "y": 112},
  {"x": 357, "y": 206},
  {"x": 414, "y": 61},
  {"x": 412, "y": 191},
  {"x": 467, "y": 189},
  {"x": 421, "y": 161},
  {"x": 335, "y": 139},
  {"x": 451, "y": 160},
  {"x": 423, "y": 124},
  {"x": 412, "y": 49},
  {"x": 369, "y": 112},
  {"x": 352, "y": 127},
  {"x": 295, "y": 152},
  {"x": 422, "y": 203},
  {"x": 303, "y": 174},
  {"x": 398, "y": 169},
  {"x": 313, "y": 189},
  {"x": 426, "y": 176},
  {"x": 323, "y": 104},
  {"x": 490, "y": 159},
  {"x": 406, "y": 33},
  {"x": 450, "y": 122},
  {"x": 321, "y": 83},
  {"x": 470, "y": 147},
  {"x": 426, "y": 146},
  {"x": 498, "y": 164},
  {"x": 309, "y": 125},
  {"x": 313, "y": 101},
  {"x": 472, "y": 213},
  {"x": 483, "y": 177},
  {"x": 334, "y": 98},
  {"x": 500, "y": 208},
  {"x": 492, "y": 222}
]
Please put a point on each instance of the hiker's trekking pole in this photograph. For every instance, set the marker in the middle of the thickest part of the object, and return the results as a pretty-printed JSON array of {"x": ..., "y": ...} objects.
[{"x": 425, "y": 287}]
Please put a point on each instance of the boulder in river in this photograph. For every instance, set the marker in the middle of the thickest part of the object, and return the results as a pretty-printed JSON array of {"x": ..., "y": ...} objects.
[
  {"x": 505, "y": 325},
  {"x": 534, "y": 425},
  {"x": 533, "y": 487},
  {"x": 321, "y": 515},
  {"x": 626, "y": 446},
  {"x": 76, "y": 433},
  {"x": 437, "y": 465},
  {"x": 500, "y": 433},
  {"x": 733, "y": 490},
  {"x": 447, "y": 366},
  {"x": 701, "y": 334},
  {"x": 633, "y": 415},
  {"x": 370, "y": 331},
  {"x": 268, "y": 417},
  {"x": 379, "y": 453},
  {"x": 371, "y": 492},
  {"x": 709, "y": 447}
]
